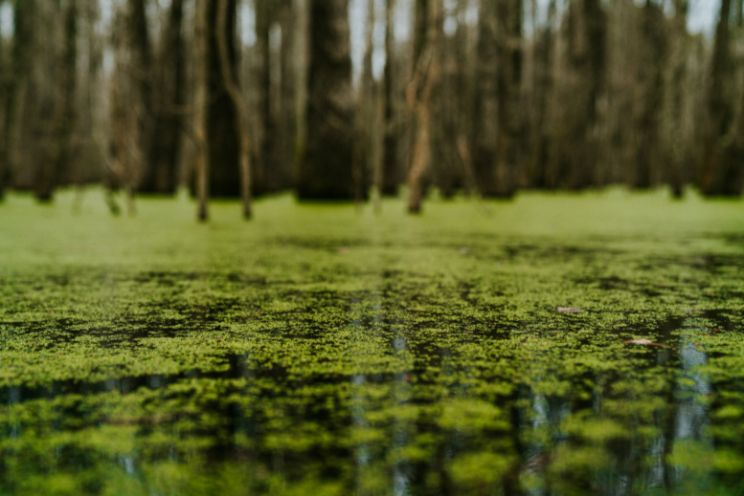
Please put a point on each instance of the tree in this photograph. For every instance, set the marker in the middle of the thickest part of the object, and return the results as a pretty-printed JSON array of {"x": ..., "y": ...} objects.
[
  {"x": 223, "y": 136},
  {"x": 543, "y": 81},
  {"x": 651, "y": 89},
  {"x": 325, "y": 164},
  {"x": 675, "y": 148},
  {"x": 366, "y": 162},
  {"x": 426, "y": 73},
  {"x": 163, "y": 152},
  {"x": 722, "y": 169},
  {"x": 486, "y": 116},
  {"x": 266, "y": 146},
  {"x": 69, "y": 88},
  {"x": 508, "y": 88},
  {"x": 200, "y": 107},
  {"x": 6, "y": 101},
  {"x": 390, "y": 164},
  {"x": 575, "y": 143},
  {"x": 241, "y": 119}
]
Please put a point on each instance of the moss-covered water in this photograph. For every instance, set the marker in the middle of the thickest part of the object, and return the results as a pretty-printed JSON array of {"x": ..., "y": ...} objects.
[{"x": 589, "y": 344}]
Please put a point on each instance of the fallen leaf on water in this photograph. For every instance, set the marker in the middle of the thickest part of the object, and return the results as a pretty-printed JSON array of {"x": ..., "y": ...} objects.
[
  {"x": 644, "y": 342},
  {"x": 568, "y": 309}
]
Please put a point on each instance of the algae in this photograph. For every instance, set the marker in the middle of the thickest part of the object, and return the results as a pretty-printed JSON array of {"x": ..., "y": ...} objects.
[{"x": 330, "y": 350}]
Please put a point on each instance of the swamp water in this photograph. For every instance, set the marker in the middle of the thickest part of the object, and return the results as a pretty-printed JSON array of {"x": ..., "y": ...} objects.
[{"x": 589, "y": 344}]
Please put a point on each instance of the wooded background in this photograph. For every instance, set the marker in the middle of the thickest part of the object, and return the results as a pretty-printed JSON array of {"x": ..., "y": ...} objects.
[{"x": 241, "y": 98}]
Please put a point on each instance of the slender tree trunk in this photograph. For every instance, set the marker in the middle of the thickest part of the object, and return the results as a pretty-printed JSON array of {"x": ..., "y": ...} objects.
[
  {"x": 287, "y": 131},
  {"x": 264, "y": 173},
  {"x": 141, "y": 70},
  {"x": 201, "y": 77},
  {"x": 233, "y": 89},
  {"x": 47, "y": 107},
  {"x": 675, "y": 88},
  {"x": 653, "y": 59},
  {"x": 508, "y": 87},
  {"x": 326, "y": 169},
  {"x": 390, "y": 164},
  {"x": 6, "y": 100},
  {"x": 68, "y": 123},
  {"x": 366, "y": 117},
  {"x": 426, "y": 74},
  {"x": 486, "y": 104},
  {"x": 543, "y": 80}
]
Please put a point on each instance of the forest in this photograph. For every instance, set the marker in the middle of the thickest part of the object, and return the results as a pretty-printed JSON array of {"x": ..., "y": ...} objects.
[
  {"x": 247, "y": 99},
  {"x": 371, "y": 247}
]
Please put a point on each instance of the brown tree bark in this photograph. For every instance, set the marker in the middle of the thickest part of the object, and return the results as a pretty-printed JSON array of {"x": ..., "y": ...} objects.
[
  {"x": 426, "y": 73},
  {"x": 508, "y": 89},
  {"x": 263, "y": 174},
  {"x": 486, "y": 103},
  {"x": 390, "y": 164},
  {"x": 677, "y": 69},
  {"x": 163, "y": 155},
  {"x": 223, "y": 137},
  {"x": 574, "y": 154},
  {"x": 365, "y": 158},
  {"x": 722, "y": 172},
  {"x": 287, "y": 132},
  {"x": 326, "y": 164},
  {"x": 652, "y": 63},
  {"x": 66, "y": 152},
  {"x": 201, "y": 82},
  {"x": 542, "y": 88},
  {"x": 233, "y": 90}
]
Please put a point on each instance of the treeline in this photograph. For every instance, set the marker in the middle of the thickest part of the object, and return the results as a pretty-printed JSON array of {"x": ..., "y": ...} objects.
[{"x": 243, "y": 98}]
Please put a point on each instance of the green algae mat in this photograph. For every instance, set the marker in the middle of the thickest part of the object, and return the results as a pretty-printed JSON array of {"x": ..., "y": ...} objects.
[{"x": 556, "y": 344}]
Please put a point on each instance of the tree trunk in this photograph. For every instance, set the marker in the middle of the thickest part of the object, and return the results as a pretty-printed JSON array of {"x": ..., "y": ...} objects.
[
  {"x": 264, "y": 173},
  {"x": 365, "y": 162},
  {"x": 164, "y": 151},
  {"x": 390, "y": 164},
  {"x": 675, "y": 149},
  {"x": 508, "y": 88},
  {"x": 326, "y": 168},
  {"x": 486, "y": 106},
  {"x": 222, "y": 115},
  {"x": 233, "y": 90},
  {"x": 287, "y": 131},
  {"x": 68, "y": 123},
  {"x": 141, "y": 70},
  {"x": 543, "y": 81},
  {"x": 426, "y": 72},
  {"x": 574, "y": 154},
  {"x": 653, "y": 59},
  {"x": 201, "y": 83},
  {"x": 721, "y": 172}
]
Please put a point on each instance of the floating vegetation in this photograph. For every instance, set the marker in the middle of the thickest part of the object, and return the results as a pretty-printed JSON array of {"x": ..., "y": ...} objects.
[{"x": 480, "y": 349}]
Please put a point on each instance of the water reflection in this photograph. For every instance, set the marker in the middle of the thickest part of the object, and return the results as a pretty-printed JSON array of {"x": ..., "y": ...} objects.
[{"x": 368, "y": 433}]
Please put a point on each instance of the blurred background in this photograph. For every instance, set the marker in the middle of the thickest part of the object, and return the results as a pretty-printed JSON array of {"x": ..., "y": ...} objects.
[{"x": 335, "y": 99}]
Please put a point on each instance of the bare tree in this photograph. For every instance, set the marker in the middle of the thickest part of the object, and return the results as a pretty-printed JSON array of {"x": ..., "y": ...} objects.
[
  {"x": 426, "y": 72},
  {"x": 233, "y": 89},
  {"x": 388, "y": 182},
  {"x": 201, "y": 76}
]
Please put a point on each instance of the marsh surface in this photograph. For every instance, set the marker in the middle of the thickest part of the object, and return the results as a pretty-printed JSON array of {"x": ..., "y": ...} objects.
[{"x": 589, "y": 344}]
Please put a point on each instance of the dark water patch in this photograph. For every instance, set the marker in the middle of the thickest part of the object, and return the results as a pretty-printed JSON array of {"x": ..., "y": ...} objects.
[{"x": 331, "y": 245}]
